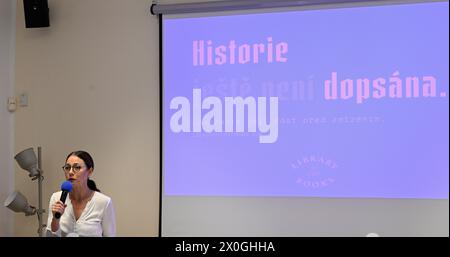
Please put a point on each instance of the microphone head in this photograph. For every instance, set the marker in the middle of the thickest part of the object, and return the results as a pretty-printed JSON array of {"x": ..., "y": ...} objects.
[{"x": 66, "y": 186}]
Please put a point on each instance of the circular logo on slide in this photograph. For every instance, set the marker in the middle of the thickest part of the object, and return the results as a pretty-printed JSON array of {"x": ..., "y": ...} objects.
[{"x": 314, "y": 171}]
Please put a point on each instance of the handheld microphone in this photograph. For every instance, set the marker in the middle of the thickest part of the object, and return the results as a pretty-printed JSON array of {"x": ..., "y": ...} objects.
[{"x": 66, "y": 188}]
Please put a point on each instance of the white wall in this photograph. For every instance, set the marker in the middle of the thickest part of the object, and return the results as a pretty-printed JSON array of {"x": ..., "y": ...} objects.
[
  {"x": 7, "y": 45},
  {"x": 92, "y": 79}
]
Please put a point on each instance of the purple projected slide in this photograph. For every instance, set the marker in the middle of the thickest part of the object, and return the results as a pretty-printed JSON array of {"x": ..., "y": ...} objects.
[{"x": 348, "y": 102}]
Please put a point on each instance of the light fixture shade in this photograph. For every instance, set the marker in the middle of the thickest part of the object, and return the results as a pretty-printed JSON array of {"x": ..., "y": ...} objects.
[
  {"x": 18, "y": 203},
  {"x": 27, "y": 160}
]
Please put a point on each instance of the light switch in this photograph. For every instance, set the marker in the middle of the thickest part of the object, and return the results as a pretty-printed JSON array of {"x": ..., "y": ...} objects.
[{"x": 23, "y": 100}]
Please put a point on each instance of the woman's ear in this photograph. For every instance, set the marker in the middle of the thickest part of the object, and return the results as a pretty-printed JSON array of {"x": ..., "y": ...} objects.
[{"x": 91, "y": 170}]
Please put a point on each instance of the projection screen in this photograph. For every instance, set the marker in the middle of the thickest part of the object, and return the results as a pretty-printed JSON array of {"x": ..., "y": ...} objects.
[{"x": 330, "y": 120}]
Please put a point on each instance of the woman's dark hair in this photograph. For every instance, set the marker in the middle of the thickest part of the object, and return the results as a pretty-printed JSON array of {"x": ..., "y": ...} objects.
[{"x": 87, "y": 158}]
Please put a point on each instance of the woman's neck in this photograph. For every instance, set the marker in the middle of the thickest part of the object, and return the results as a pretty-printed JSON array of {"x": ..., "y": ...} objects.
[{"x": 80, "y": 194}]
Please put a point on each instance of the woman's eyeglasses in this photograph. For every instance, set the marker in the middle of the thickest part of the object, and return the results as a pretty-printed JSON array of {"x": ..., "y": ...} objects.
[{"x": 76, "y": 168}]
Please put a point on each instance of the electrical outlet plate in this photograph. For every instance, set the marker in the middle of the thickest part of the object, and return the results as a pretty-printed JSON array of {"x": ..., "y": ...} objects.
[{"x": 12, "y": 105}]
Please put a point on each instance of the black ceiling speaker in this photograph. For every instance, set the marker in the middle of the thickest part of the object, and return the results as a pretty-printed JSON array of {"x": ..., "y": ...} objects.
[{"x": 36, "y": 13}]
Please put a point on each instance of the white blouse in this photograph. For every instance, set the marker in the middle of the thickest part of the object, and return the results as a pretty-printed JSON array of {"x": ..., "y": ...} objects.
[{"x": 96, "y": 220}]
